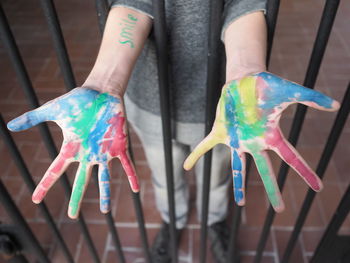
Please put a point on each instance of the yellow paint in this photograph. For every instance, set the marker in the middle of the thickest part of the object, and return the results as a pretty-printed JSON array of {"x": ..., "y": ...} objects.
[{"x": 248, "y": 97}]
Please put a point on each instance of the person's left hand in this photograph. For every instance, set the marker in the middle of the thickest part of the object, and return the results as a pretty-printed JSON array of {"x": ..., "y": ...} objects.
[
  {"x": 247, "y": 120},
  {"x": 94, "y": 132}
]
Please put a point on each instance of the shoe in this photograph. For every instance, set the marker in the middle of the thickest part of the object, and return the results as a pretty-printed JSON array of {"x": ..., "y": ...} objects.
[
  {"x": 219, "y": 236},
  {"x": 161, "y": 248}
]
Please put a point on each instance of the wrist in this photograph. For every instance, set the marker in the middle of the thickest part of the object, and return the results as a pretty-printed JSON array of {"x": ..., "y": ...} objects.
[
  {"x": 109, "y": 86},
  {"x": 107, "y": 81},
  {"x": 239, "y": 71}
]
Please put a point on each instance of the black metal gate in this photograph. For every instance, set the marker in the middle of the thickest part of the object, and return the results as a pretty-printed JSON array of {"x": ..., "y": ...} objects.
[{"x": 13, "y": 240}]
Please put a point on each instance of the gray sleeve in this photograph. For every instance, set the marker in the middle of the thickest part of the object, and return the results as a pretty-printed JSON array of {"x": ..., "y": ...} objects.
[
  {"x": 236, "y": 8},
  {"x": 143, "y": 6}
]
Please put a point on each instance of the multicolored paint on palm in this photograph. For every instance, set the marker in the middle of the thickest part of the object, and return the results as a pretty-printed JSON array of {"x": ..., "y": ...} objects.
[
  {"x": 94, "y": 132},
  {"x": 247, "y": 120}
]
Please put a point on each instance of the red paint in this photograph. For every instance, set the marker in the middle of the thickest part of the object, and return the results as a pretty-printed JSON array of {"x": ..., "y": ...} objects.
[
  {"x": 288, "y": 154},
  {"x": 130, "y": 171},
  {"x": 115, "y": 142},
  {"x": 38, "y": 195},
  {"x": 68, "y": 151}
]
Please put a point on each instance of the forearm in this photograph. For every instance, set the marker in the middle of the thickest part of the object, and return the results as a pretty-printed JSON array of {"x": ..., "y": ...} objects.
[
  {"x": 245, "y": 45},
  {"x": 123, "y": 39}
]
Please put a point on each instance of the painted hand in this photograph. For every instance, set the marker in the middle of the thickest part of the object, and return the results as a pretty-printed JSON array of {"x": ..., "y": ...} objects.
[
  {"x": 94, "y": 132},
  {"x": 247, "y": 120}
]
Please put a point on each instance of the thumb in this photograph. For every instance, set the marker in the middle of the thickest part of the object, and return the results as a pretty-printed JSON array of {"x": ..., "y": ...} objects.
[
  {"x": 31, "y": 118},
  {"x": 204, "y": 146}
]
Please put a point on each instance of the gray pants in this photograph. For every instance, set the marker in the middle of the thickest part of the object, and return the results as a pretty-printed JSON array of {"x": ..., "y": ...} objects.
[{"x": 152, "y": 142}]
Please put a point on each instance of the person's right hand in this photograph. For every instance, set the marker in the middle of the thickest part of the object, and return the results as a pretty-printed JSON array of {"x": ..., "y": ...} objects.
[{"x": 94, "y": 132}]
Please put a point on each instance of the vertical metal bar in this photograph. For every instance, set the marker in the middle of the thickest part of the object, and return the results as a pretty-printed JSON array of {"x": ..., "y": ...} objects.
[
  {"x": 110, "y": 224},
  {"x": 233, "y": 253},
  {"x": 333, "y": 228},
  {"x": 102, "y": 13},
  {"x": 321, "y": 168},
  {"x": 17, "y": 259},
  {"x": 59, "y": 44},
  {"x": 115, "y": 237},
  {"x": 324, "y": 30},
  {"x": 162, "y": 55},
  {"x": 17, "y": 218},
  {"x": 212, "y": 96},
  {"x": 66, "y": 68},
  {"x": 22, "y": 74},
  {"x": 272, "y": 8},
  {"x": 20, "y": 164},
  {"x": 142, "y": 229}
]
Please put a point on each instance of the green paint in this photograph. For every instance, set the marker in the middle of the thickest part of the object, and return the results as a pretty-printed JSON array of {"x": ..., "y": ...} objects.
[
  {"x": 264, "y": 172},
  {"x": 127, "y": 42},
  {"x": 250, "y": 126},
  {"x": 126, "y": 34},
  {"x": 83, "y": 125},
  {"x": 131, "y": 17},
  {"x": 78, "y": 189}
]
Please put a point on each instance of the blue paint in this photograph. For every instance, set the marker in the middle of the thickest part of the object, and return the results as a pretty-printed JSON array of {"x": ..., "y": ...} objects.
[
  {"x": 232, "y": 125},
  {"x": 97, "y": 133},
  {"x": 280, "y": 90},
  {"x": 237, "y": 176},
  {"x": 238, "y": 195},
  {"x": 105, "y": 192}
]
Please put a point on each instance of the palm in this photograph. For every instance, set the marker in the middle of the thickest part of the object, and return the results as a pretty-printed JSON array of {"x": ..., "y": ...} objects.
[
  {"x": 94, "y": 132},
  {"x": 247, "y": 120}
]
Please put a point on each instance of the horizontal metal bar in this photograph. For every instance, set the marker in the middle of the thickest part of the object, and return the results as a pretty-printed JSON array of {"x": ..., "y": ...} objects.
[
  {"x": 324, "y": 30},
  {"x": 320, "y": 170}
]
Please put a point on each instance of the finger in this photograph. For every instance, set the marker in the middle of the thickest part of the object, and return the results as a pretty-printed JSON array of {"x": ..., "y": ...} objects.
[
  {"x": 104, "y": 186},
  {"x": 80, "y": 182},
  {"x": 130, "y": 171},
  {"x": 316, "y": 99},
  {"x": 204, "y": 146},
  {"x": 32, "y": 118},
  {"x": 279, "y": 90},
  {"x": 238, "y": 172},
  {"x": 56, "y": 169},
  {"x": 268, "y": 177},
  {"x": 288, "y": 154}
]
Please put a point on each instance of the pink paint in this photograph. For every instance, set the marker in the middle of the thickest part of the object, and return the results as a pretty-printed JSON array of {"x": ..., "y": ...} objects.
[
  {"x": 275, "y": 139},
  {"x": 130, "y": 171},
  {"x": 115, "y": 140},
  {"x": 261, "y": 85},
  {"x": 68, "y": 151}
]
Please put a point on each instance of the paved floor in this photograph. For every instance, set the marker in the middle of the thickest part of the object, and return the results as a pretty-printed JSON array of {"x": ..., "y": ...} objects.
[{"x": 295, "y": 34}]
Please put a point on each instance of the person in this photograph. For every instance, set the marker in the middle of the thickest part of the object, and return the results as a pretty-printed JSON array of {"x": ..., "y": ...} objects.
[
  {"x": 244, "y": 35},
  {"x": 127, "y": 67},
  {"x": 93, "y": 120}
]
